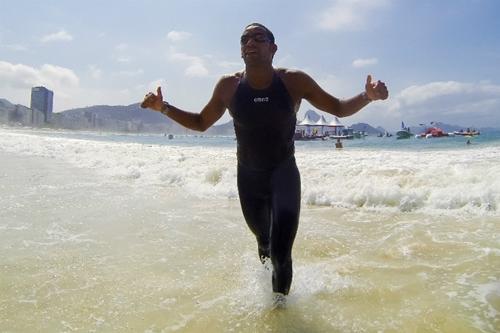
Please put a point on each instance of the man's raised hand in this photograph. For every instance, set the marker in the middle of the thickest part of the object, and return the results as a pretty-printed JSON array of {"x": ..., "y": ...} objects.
[
  {"x": 153, "y": 101},
  {"x": 375, "y": 90}
]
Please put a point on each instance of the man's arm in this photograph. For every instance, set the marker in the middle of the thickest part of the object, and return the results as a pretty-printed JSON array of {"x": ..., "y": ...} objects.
[
  {"x": 322, "y": 100},
  {"x": 212, "y": 112}
]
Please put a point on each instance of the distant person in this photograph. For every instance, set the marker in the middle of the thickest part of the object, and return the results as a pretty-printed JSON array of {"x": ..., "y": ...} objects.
[
  {"x": 267, "y": 175},
  {"x": 338, "y": 144}
]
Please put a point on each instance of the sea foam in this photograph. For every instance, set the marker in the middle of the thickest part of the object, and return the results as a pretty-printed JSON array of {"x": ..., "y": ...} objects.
[{"x": 450, "y": 182}]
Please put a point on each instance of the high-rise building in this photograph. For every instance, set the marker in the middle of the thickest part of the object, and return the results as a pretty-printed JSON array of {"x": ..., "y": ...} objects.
[{"x": 42, "y": 100}]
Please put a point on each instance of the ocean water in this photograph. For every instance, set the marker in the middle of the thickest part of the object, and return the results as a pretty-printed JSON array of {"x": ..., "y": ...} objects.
[{"x": 138, "y": 233}]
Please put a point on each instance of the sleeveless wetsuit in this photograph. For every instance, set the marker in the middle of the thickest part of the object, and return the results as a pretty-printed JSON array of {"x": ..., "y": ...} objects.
[{"x": 268, "y": 178}]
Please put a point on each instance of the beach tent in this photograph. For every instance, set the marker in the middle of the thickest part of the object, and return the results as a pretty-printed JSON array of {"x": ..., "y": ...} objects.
[
  {"x": 307, "y": 123},
  {"x": 337, "y": 125},
  {"x": 322, "y": 123}
]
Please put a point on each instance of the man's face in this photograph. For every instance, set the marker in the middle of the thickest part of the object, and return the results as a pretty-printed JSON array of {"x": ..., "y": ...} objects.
[{"x": 256, "y": 46}]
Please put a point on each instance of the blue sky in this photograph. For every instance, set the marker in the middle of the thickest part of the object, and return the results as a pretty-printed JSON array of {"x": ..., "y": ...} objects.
[{"x": 439, "y": 58}]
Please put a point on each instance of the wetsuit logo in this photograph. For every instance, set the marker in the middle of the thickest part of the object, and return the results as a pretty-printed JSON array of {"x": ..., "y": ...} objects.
[{"x": 261, "y": 99}]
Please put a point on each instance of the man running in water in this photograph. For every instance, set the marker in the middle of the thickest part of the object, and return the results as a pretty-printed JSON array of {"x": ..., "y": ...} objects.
[{"x": 268, "y": 178}]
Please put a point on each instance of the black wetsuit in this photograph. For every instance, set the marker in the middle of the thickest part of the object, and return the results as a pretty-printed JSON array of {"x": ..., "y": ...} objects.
[{"x": 268, "y": 178}]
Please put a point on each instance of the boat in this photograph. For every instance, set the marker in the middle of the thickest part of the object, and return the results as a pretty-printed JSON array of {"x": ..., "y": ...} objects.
[
  {"x": 404, "y": 132},
  {"x": 343, "y": 137},
  {"x": 433, "y": 132},
  {"x": 345, "y": 133},
  {"x": 301, "y": 135},
  {"x": 467, "y": 132}
]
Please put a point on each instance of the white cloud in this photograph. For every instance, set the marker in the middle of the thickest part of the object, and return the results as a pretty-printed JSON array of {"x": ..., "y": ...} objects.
[
  {"x": 58, "y": 76},
  {"x": 349, "y": 14},
  {"x": 17, "y": 80},
  {"x": 177, "y": 36},
  {"x": 359, "y": 63},
  {"x": 419, "y": 94},
  {"x": 195, "y": 66},
  {"x": 23, "y": 76},
  {"x": 453, "y": 102},
  {"x": 60, "y": 36}
]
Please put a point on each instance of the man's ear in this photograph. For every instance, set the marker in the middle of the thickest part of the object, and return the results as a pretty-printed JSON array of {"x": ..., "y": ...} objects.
[{"x": 274, "y": 48}]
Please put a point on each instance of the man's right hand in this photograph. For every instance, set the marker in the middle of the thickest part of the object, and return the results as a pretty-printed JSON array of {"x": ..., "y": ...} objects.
[{"x": 152, "y": 101}]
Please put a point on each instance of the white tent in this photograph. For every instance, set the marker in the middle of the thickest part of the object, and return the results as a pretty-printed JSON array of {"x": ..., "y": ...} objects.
[
  {"x": 322, "y": 122},
  {"x": 305, "y": 125},
  {"x": 306, "y": 122},
  {"x": 336, "y": 124}
]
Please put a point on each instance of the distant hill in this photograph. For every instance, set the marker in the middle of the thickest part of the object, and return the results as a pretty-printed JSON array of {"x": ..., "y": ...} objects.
[
  {"x": 151, "y": 120},
  {"x": 313, "y": 115},
  {"x": 223, "y": 129},
  {"x": 132, "y": 112},
  {"x": 368, "y": 129},
  {"x": 5, "y": 104}
]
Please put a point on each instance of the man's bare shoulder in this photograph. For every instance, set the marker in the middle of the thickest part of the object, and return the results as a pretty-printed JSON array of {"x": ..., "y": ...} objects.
[
  {"x": 227, "y": 86},
  {"x": 231, "y": 78},
  {"x": 293, "y": 77},
  {"x": 291, "y": 73},
  {"x": 296, "y": 81}
]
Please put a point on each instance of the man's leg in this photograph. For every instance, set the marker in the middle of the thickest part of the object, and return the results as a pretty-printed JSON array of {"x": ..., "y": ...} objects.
[
  {"x": 253, "y": 189},
  {"x": 285, "y": 221}
]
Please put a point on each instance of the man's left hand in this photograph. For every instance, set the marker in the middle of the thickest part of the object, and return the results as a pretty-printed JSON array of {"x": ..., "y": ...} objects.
[{"x": 375, "y": 90}]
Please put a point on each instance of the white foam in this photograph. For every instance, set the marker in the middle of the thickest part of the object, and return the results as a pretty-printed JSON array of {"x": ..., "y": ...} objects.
[{"x": 451, "y": 182}]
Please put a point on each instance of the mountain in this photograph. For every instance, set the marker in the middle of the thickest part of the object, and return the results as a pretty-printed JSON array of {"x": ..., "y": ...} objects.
[
  {"x": 142, "y": 120},
  {"x": 5, "y": 104},
  {"x": 226, "y": 129},
  {"x": 368, "y": 129},
  {"x": 132, "y": 112},
  {"x": 312, "y": 115}
]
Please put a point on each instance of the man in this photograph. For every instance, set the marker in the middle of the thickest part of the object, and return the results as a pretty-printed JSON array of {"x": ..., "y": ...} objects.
[{"x": 263, "y": 102}]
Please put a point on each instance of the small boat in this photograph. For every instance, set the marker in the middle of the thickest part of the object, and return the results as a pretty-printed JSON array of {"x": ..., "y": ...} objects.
[
  {"x": 404, "y": 132},
  {"x": 346, "y": 133},
  {"x": 467, "y": 132},
  {"x": 346, "y": 137},
  {"x": 302, "y": 136},
  {"x": 433, "y": 132}
]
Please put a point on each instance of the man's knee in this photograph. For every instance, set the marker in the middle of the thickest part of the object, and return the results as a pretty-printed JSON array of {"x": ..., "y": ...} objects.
[{"x": 281, "y": 261}]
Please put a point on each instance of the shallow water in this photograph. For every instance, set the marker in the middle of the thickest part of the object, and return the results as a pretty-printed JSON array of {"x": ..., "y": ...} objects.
[{"x": 97, "y": 236}]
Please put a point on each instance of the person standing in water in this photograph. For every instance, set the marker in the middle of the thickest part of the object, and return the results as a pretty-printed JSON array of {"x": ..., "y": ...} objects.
[{"x": 267, "y": 175}]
